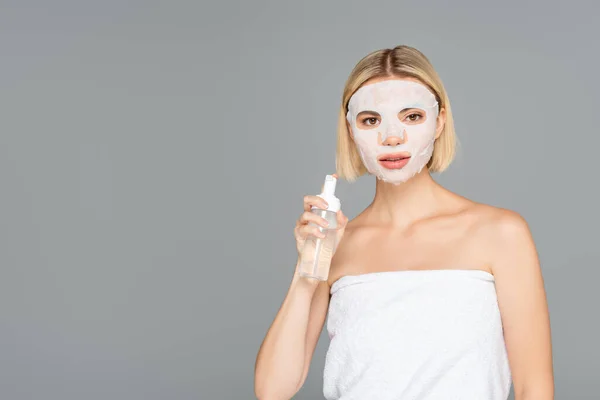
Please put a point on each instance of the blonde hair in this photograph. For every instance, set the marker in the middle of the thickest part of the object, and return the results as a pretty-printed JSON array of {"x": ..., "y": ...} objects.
[{"x": 399, "y": 62}]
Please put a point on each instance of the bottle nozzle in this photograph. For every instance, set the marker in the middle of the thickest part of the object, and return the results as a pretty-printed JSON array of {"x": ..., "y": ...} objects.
[
  {"x": 328, "y": 193},
  {"x": 329, "y": 186}
]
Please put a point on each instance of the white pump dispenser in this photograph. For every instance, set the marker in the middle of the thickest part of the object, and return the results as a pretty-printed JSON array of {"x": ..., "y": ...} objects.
[{"x": 328, "y": 194}]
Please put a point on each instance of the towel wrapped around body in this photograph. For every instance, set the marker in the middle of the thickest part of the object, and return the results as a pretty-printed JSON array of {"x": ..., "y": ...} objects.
[{"x": 416, "y": 334}]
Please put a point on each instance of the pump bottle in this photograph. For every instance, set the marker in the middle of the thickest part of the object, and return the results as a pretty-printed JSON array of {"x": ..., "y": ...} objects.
[{"x": 316, "y": 255}]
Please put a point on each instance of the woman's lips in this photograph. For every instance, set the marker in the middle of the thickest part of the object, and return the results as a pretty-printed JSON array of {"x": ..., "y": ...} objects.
[{"x": 395, "y": 160}]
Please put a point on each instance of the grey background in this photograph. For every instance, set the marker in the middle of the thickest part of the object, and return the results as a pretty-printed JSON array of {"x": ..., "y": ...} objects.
[{"x": 154, "y": 155}]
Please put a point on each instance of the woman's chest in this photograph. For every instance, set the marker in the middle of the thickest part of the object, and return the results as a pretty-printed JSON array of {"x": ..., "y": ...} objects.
[{"x": 386, "y": 250}]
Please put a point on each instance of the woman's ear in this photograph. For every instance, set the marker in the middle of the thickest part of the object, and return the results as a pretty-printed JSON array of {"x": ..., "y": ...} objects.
[{"x": 440, "y": 123}]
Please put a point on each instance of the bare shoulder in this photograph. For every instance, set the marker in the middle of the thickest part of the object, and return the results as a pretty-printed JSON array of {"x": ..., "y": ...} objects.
[
  {"x": 355, "y": 227},
  {"x": 503, "y": 235},
  {"x": 345, "y": 254},
  {"x": 498, "y": 223},
  {"x": 352, "y": 230}
]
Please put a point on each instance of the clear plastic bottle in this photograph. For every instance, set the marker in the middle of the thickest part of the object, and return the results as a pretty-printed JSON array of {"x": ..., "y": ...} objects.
[{"x": 317, "y": 252}]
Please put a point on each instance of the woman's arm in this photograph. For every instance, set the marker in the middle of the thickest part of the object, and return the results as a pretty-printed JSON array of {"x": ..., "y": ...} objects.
[
  {"x": 523, "y": 306},
  {"x": 286, "y": 352}
]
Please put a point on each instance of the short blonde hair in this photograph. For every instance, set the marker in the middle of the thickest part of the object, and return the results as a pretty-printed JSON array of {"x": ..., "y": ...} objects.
[{"x": 399, "y": 62}]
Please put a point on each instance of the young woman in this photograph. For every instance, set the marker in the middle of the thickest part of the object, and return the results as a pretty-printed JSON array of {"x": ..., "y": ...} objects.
[{"x": 430, "y": 295}]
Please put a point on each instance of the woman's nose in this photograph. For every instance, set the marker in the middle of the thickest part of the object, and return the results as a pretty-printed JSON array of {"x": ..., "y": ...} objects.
[{"x": 395, "y": 139}]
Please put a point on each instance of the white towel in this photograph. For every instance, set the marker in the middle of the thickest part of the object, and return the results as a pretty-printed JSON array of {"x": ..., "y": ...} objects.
[{"x": 416, "y": 334}]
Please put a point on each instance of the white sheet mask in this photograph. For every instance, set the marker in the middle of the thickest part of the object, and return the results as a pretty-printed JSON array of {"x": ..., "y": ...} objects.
[{"x": 388, "y": 98}]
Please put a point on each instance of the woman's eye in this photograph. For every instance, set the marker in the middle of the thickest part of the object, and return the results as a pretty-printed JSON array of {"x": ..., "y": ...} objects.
[
  {"x": 414, "y": 117},
  {"x": 370, "y": 121}
]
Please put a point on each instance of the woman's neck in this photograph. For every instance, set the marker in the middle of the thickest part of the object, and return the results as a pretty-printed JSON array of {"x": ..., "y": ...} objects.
[{"x": 401, "y": 205}]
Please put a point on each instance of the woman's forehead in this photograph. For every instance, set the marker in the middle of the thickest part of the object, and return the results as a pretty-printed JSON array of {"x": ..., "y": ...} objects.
[{"x": 393, "y": 91}]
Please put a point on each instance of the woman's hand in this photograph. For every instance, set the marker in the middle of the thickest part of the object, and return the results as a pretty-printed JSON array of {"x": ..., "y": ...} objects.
[{"x": 304, "y": 227}]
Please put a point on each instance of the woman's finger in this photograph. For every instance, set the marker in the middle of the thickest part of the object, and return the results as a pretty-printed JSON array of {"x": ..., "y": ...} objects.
[
  {"x": 305, "y": 230},
  {"x": 308, "y": 216},
  {"x": 312, "y": 200}
]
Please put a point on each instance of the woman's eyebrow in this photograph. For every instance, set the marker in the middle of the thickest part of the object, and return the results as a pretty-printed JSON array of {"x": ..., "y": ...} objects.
[
  {"x": 368, "y": 112},
  {"x": 418, "y": 107}
]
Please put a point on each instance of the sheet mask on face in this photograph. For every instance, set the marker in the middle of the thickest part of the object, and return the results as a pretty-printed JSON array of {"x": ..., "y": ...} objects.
[{"x": 388, "y": 98}]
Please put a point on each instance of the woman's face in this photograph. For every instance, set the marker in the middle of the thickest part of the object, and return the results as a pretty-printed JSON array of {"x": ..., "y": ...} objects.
[{"x": 393, "y": 123}]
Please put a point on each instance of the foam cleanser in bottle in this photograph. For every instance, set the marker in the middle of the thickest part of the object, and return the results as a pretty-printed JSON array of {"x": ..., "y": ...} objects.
[{"x": 315, "y": 258}]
